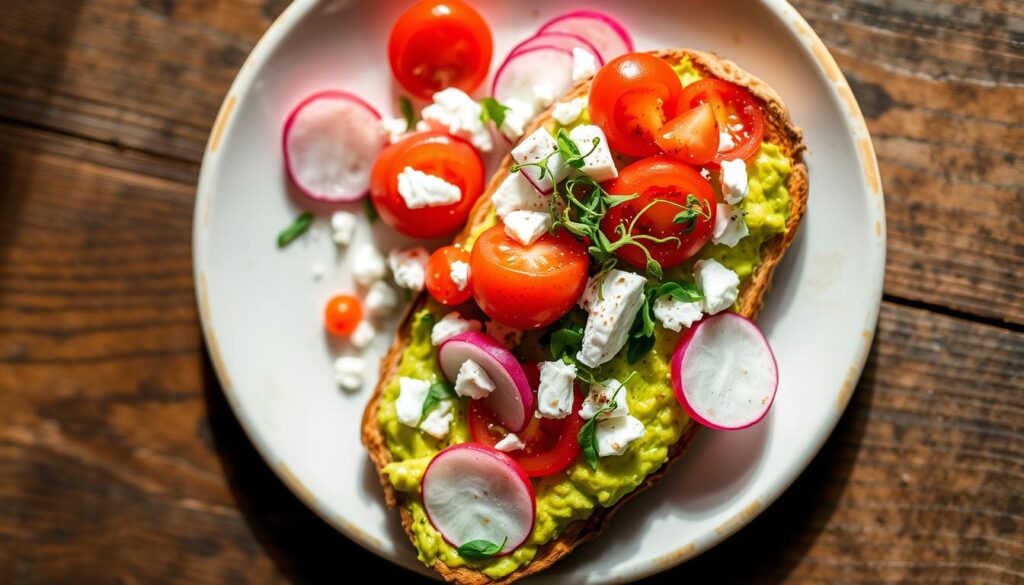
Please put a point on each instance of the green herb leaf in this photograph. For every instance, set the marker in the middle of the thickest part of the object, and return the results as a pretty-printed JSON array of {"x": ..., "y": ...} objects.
[
  {"x": 480, "y": 549},
  {"x": 493, "y": 111},
  {"x": 370, "y": 210},
  {"x": 638, "y": 348},
  {"x": 654, "y": 269},
  {"x": 405, "y": 106},
  {"x": 566, "y": 341},
  {"x": 296, "y": 229},
  {"x": 438, "y": 391},
  {"x": 587, "y": 437},
  {"x": 647, "y": 320},
  {"x": 681, "y": 290}
]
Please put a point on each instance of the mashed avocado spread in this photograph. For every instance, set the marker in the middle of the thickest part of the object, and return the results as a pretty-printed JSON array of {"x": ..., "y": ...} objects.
[{"x": 574, "y": 494}]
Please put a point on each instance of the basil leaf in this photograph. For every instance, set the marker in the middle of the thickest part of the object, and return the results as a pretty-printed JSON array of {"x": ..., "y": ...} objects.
[
  {"x": 480, "y": 549},
  {"x": 370, "y": 210},
  {"x": 493, "y": 111},
  {"x": 405, "y": 106},
  {"x": 645, "y": 314},
  {"x": 587, "y": 438},
  {"x": 638, "y": 348},
  {"x": 438, "y": 391},
  {"x": 684, "y": 291},
  {"x": 566, "y": 341},
  {"x": 296, "y": 229}
]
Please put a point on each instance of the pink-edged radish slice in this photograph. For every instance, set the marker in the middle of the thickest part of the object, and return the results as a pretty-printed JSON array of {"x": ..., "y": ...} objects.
[
  {"x": 604, "y": 32},
  {"x": 530, "y": 68},
  {"x": 512, "y": 399},
  {"x": 559, "y": 40},
  {"x": 475, "y": 492},
  {"x": 331, "y": 141},
  {"x": 724, "y": 372}
]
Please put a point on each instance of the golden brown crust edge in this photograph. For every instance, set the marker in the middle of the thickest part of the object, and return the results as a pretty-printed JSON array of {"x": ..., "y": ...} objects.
[{"x": 781, "y": 131}]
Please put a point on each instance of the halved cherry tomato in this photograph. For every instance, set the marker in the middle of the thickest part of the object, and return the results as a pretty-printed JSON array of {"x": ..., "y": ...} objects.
[
  {"x": 434, "y": 153},
  {"x": 665, "y": 186},
  {"x": 527, "y": 286},
  {"x": 342, "y": 314},
  {"x": 736, "y": 111},
  {"x": 439, "y": 280},
  {"x": 631, "y": 98},
  {"x": 438, "y": 44},
  {"x": 692, "y": 136},
  {"x": 551, "y": 444}
]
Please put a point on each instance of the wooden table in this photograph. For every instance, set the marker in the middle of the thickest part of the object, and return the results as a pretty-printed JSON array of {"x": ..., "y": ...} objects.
[{"x": 121, "y": 462}]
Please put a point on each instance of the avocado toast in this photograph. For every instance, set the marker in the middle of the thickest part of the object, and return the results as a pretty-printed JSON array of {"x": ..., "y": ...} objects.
[{"x": 576, "y": 506}]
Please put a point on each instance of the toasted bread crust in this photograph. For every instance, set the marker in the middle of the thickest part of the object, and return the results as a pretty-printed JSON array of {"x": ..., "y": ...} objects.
[{"x": 779, "y": 130}]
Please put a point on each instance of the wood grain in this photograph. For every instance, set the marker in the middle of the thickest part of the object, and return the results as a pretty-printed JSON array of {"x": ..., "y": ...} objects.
[{"x": 121, "y": 462}]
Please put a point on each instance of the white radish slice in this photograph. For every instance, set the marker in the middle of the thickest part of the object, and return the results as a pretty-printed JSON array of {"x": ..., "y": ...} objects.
[
  {"x": 331, "y": 141},
  {"x": 474, "y": 492},
  {"x": 724, "y": 372},
  {"x": 559, "y": 40},
  {"x": 604, "y": 32},
  {"x": 532, "y": 67},
  {"x": 512, "y": 399}
]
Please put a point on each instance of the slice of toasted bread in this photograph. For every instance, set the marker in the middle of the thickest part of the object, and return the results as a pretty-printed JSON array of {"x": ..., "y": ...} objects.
[{"x": 780, "y": 131}]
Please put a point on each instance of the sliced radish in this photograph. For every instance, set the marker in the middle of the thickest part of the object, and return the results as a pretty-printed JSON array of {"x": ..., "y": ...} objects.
[
  {"x": 724, "y": 372},
  {"x": 558, "y": 40},
  {"x": 512, "y": 399},
  {"x": 474, "y": 492},
  {"x": 529, "y": 68},
  {"x": 331, "y": 141},
  {"x": 604, "y": 32}
]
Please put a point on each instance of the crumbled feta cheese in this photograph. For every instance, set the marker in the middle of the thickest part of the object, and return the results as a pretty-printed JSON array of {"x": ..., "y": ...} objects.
[
  {"x": 380, "y": 299},
  {"x": 543, "y": 95},
  {"x": 611, "y": 314},
  {"x": 454, "y": 112},
  {"x": 517, "y": 116},
  {"x": 438, "y": 420},
  {"x": 526, "y": 226},
  {"x": 734, "y": 180},
  {"x": 566, "y": 113},
  {"x": 517, "y": 192},
  {"x": 418, "y": 189},
  {"x": 615, "y": 434},
  {"x": 367, "y": 265},
  {"x": 343, "y": 227},
  {"x": 584, "y": 64},
  {"x": 394, "y": 128},
  {"x": 504, "y": 334},
  {"x": 409, "y": 408},
  {"x": 348, "y": 373},
  {"x": 460, "y": 274},
  {"x": 363, "y": 335},
  {"x": 674, "y": 314},
  {"x": 729, "y": 225},
  {"x": 535, "y": 148},
  {"x": 473, "y": 381},
  {"x": 719, "y": 284},
  {"x": 317, "y": 270},
  {"x": 409, "y": 267},
  {"x": 706, "y": 174},
  {"x": 725, "y": 142},
  {"x": 599, "y": 164},
  {"x": 599, "y": 397},
  {"x": 451, "y": 325},
  {"x": 510, "y": 442},
  {"x": 554, "y": 396}
]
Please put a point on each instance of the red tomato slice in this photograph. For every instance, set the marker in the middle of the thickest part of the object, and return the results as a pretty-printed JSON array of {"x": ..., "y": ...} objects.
[
  {"x": 737, "y": 112},
  {"x": 434, "y": 153},
  {"x": 551, "y": 444},
  {"x": 692, "y": 136},
  {"x": 527, "y": 286},
  {"x": 631, "y": 98},
  {"x": 439, "y": 276},
  {"x": 665, "y": 186},
  {"x": 438, "y": 44}
]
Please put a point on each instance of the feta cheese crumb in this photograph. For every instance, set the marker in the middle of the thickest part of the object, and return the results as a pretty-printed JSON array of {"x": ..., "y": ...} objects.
[
  {"x": 719, "y": 284},
  {"x": 611, "y": 314},
  {"x": 706, "y": 174},
  {"x": 517, "y": 192},
  {"x": 725, "y": 142},
  {"x": 394, "y": 129},
  {"x": 473, "y": 381},
  {"x": 409, "y": 267},
  {"x": 418, "y": 189},
  {"x": 454, "y": 112},
  {"x": 451, "y": 325},
  {"x": 409, "y": 408},
  {"x": 599, "y": 164},
  {"x": 438, "y": 420},
  {"x": 517, "y": 116},
  {"x": 554, "y": 396},
  {"x": 343, "y": 227},
  {"x": 584, "y": 64},
  {"x": 510, "y": 442},
  {"x": 734, "y": 180},
  {"x": 599, "y": 397},
  {"x": 535, "y": 148},
  {"x": 526, "y": 226},
  {"x": 317, "y": 270},
  {"x": 566, "y": 113},
  {"x": 504, "y": 334},
  {"x": 363, "y": 335},
  {"x": 615, "y": 434},
  {"x": 729, "y": 225},
  {"x": 348, "y": 373},
  {"x": 460, "y": 274},
  {"x": 543, "y": 95},
  {"x": 367, "y": 265},
  {"x": 380, "y": 299},
  {"x": 674, "y": 314}
]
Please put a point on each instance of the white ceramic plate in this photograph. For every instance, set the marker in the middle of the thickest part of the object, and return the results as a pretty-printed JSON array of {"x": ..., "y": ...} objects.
[{"x": 261, "y": 308}]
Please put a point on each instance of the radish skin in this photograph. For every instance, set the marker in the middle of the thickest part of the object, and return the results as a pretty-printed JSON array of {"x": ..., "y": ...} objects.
[
  {"x": 558, "y": 40},
  {"x": 609, "y": 36},
  {"x": 530, "y": 67}
]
